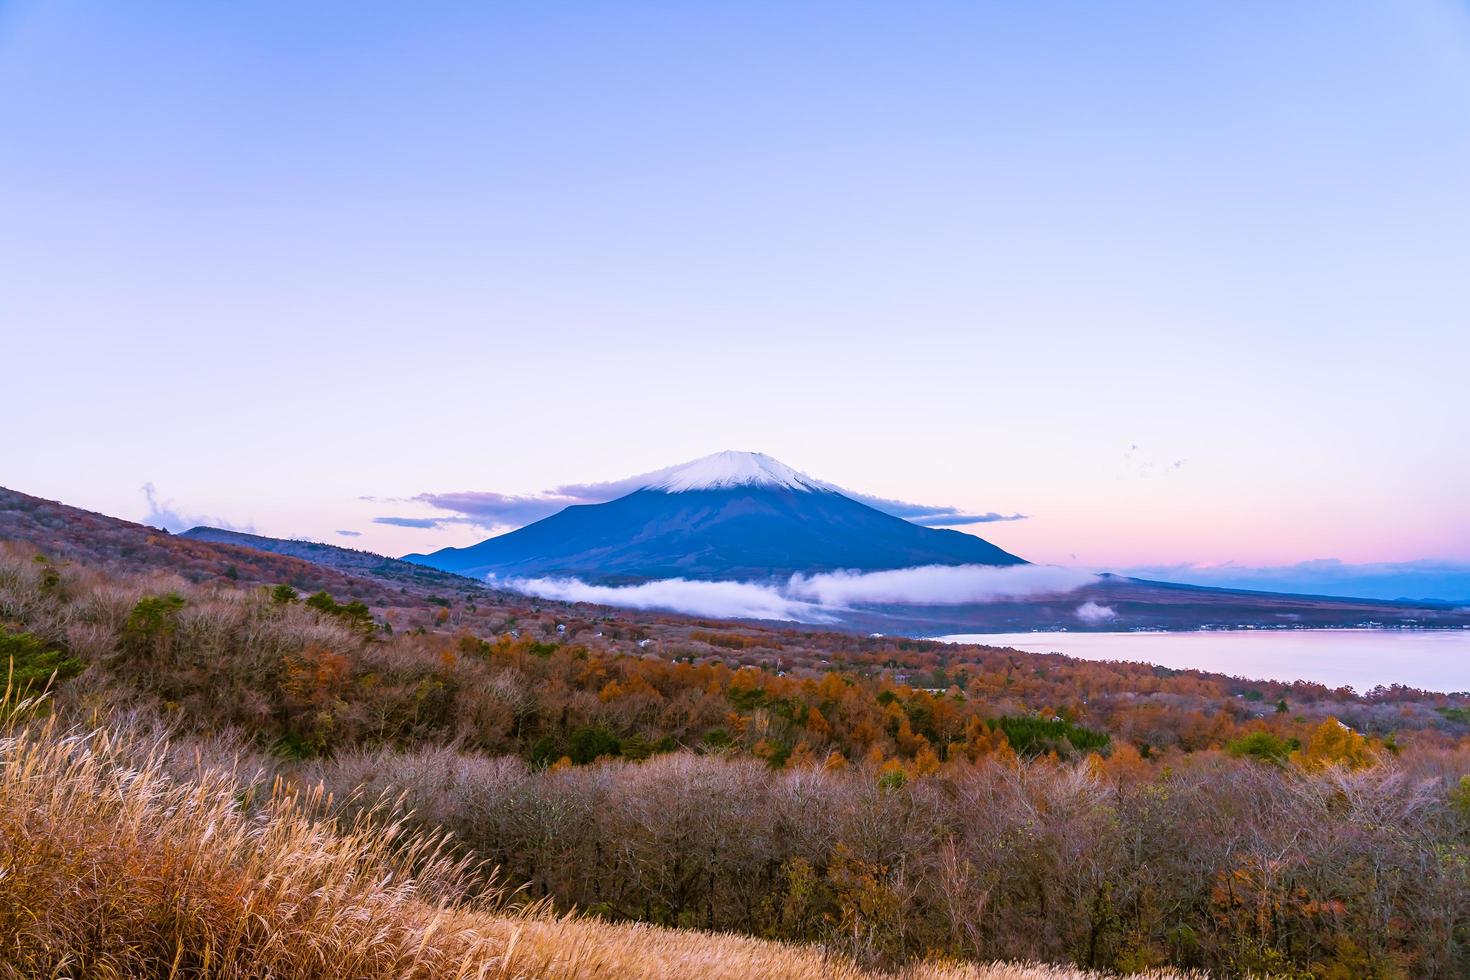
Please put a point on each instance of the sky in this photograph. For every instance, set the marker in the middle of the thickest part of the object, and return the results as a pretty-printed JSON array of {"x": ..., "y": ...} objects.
[{"x": 1184, "y": 284}]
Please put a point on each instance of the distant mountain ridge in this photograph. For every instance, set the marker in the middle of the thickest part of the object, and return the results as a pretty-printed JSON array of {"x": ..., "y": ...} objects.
[
  {"x": 209, "y": 554},
  {"x": 731, "y": 515},
  {"x": 350, "y": 560}
]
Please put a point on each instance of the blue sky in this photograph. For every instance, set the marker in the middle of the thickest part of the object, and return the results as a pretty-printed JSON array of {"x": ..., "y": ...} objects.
[{"x": 1184, "y": 283}]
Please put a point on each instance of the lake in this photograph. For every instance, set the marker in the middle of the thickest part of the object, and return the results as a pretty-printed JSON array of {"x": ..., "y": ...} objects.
[{"x": 1435, "y": 660}]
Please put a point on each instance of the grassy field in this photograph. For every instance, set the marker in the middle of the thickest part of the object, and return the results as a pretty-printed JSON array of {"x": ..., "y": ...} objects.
[
  {"x": 125, "y": 855},
  {"x": 209, "y": 800}
]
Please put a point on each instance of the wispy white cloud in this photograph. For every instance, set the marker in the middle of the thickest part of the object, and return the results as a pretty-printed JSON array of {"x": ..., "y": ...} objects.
[
  {"x": 495, "y": 511},
  {"x": 171, "y": 517},
  {"x": 1092, "y": 612},
  {"x": 939, "y": 585},
  {"x": 931, "y": 515},
  {"x": 419, "y": 522},
  {"x": 818, "y": 598},
  {"x": 726, "y": 600}
]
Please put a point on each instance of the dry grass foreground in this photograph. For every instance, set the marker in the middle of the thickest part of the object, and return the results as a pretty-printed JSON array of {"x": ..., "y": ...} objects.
[{"x": 124, "y": 856}]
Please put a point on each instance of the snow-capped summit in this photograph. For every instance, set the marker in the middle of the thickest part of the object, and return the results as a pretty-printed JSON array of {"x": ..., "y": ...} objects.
[
  {"x": 731, "y": 516},
  {"x": 721, "y": 471}
]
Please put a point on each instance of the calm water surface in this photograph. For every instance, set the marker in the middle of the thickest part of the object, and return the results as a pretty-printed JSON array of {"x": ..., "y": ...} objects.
[{"x": 1436, "y": 660}]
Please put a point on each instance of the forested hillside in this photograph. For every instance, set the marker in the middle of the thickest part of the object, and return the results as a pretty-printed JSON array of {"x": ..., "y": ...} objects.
[
  {"x": 127, "y": 855},
  {"x": 69, "y": 533},
  {"x": 894, "y": 800}
]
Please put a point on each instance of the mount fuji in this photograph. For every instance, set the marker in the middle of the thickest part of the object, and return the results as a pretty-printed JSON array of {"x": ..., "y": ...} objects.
[{"x": 730, "y": 516}]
